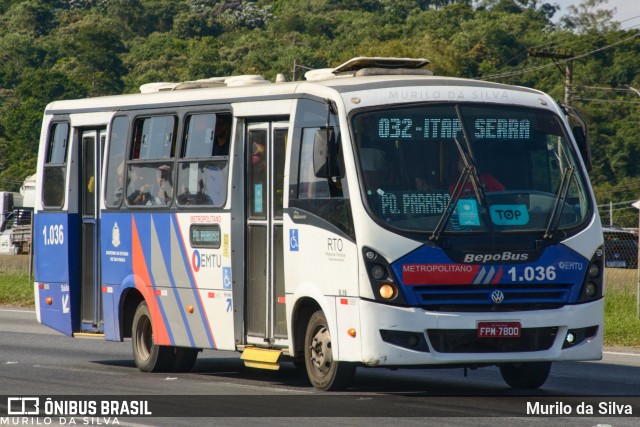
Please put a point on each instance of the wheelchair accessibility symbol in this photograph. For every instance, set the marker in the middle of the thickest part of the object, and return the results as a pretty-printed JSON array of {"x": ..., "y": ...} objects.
[
  {"x": 294, "y": 245},
  {"x": 226, "y": 277}
]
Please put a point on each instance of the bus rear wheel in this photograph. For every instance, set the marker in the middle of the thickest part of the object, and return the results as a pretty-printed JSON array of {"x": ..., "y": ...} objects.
[
  {"x": 525, "y": 375},
  {"x": 148, "y": 356},
  {"x": 323, "y": 371}
]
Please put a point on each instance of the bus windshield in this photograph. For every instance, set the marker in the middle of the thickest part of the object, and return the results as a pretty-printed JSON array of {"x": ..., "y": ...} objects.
[{"x": 459, "y": 168}]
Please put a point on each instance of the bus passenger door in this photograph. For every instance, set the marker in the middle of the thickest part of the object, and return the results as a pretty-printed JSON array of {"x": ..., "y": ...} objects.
[
  {"x": 91, "y": 146},
  {"x": 265, "y": 292}
]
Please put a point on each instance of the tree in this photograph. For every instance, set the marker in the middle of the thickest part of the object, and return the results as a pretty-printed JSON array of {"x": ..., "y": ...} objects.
[
  {"x": 586, "y": 17},
  {"x": 88, "y": 52}
]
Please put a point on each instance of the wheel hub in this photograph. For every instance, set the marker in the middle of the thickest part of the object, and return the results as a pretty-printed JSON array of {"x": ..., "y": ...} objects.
[{"x": 321, "y": 350}]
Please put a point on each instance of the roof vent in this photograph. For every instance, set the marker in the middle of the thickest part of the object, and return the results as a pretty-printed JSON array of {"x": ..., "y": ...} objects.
[
  {"x": 211, "y": 82},
  {"x": 361, "y": 62},
  {"x": 201, "y": 84},
  {"x": 157, "y": 87},
  {"x": 245, "y": 80},
  {"x": 392, "y": 72},
  {"x": 319, "y": 74},
  {"x": 372, "y": 66}
]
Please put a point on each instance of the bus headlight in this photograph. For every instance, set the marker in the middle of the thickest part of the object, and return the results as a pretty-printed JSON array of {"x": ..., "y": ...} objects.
[
  {"x": 383, "y": 283},
  {"x": 387, "y": 291},
  {"x": 590, "y": 290},
  {"x": 378, "y": 272},
  {"x": 593, "y": 284}
]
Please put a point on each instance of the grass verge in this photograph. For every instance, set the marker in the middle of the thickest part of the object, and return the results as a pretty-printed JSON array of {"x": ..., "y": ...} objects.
[
  {"x": 621, "y": 323},
  {"x": 16, "y": 290}
]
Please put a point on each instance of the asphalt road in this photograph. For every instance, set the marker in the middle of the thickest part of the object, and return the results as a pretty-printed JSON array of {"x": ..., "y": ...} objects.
[{"x": 36, "y": 361}]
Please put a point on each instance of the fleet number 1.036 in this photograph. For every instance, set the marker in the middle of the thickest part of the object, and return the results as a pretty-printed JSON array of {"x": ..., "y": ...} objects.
[
  {"x": 532, "y": 274},
  {"x": 53, "y": 235}
]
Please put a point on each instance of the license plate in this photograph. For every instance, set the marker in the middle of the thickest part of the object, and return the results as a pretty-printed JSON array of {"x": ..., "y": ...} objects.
[
  {"x": 616, "y": 264},
  {"x": 499, "y": 329}
]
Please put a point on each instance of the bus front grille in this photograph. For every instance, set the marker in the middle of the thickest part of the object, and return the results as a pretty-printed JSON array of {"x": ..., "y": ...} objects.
[{"x": 481, "y": 298}]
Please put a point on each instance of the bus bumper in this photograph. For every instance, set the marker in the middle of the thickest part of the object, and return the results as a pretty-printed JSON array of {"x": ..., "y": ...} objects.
[{"x": 400, "y": 336}]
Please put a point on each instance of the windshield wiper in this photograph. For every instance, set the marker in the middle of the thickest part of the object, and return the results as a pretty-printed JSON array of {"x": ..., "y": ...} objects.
[
  {"x": 556, "y": 213},
  {"x": 469, "y": 170},
  {"x": 448, "y": 211}
]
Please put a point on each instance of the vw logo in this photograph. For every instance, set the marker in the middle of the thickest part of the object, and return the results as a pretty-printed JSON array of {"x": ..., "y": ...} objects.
[{"x": 497, "y": 296}]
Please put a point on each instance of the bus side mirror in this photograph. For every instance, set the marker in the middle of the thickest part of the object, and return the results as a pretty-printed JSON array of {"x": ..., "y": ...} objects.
[
  {"x": 583, "y": 145},
  {"x": 325, "y": 163},
  {"x": 579, "y": 133}
]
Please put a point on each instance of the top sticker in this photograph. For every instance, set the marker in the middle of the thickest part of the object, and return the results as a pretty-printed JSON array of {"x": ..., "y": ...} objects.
[{"x": 509, "y": 214}]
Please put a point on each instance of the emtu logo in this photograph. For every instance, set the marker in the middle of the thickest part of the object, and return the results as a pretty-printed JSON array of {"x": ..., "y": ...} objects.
[{"x": 195, "y": 261}]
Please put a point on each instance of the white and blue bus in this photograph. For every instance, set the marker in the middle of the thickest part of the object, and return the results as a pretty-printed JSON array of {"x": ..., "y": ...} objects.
[{"x": 372, "y": 215}]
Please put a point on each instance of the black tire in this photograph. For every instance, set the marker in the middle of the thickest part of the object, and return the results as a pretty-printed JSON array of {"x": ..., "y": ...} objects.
[
  {"x": 148, "y": 356},
  {"x": 323, "y": 371},
  {"x": 183, "y": 359},
  {"x": 525, "y": 375}
]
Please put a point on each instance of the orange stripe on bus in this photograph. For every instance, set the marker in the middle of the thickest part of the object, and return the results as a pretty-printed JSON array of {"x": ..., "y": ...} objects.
[{"x": 143, "y": 284}]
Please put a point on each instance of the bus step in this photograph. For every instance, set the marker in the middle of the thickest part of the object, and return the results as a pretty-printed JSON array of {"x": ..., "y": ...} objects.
[
  {"x": 88, "y": 335},
  {"x": 261, "y": 358}
]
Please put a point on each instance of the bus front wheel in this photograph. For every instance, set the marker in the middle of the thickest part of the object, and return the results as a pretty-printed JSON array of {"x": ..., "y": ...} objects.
[
  {"x": 525, "y": 375},
  {"x": 324, "y": 372},
  {"x": 148, "y": 356}
]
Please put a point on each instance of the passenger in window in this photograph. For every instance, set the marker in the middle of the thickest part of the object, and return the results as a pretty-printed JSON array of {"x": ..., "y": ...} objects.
[
  {"x": 162, "y": 189},
  {"x": 139, "y": 191},
  {"x": 488, "y": 181},
  {"x": 258, "y": 172},
  {"x": 222, "y": 134},
  {"x": 202, "y": 197},
  {"x": 424, "y": 183},
  {"x": 185, "y": 197},
  {"x": 257, "y": 156},
  {"x": 119, "y": 191}
]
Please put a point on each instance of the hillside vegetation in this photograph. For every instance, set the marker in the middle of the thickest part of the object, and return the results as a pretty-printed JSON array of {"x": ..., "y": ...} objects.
[{"x": 54, "y": 49}]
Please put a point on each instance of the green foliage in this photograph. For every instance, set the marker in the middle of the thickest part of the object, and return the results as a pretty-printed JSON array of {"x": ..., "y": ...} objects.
[{"x": 58, "y": 49}]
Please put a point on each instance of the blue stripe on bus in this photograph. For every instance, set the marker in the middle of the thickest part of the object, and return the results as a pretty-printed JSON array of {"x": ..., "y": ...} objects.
[{"x": 192, "y": 282}]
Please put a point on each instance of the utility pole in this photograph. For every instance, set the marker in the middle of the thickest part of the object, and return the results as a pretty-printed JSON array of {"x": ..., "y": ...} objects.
[
  {"x": 297, "y": 67},
  {"x": 567, "y": 72}
]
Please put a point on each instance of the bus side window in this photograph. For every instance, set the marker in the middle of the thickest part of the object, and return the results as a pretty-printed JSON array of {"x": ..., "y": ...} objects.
[
  {"x": 258, "y": 173},
  {"x": 311, "y": 186},
  {"x": 150, "y": 169},
  {"x": 202, "y": 168},
  {"x": 325, "y": 197},
  {"x": 114, "y": 190},
  {"x": 53, "y": 188},
  {"x": 154, "y": 138}
]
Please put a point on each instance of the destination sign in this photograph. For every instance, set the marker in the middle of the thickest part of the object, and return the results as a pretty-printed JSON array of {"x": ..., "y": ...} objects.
[
  {"x": 448, "y": 128},
  {"x": 412, "y": 202},
  {"x": 205, "y": 235}
]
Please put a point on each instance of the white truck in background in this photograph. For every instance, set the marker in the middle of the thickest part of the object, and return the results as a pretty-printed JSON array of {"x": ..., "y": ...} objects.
[{"x": 16, "y": 213}]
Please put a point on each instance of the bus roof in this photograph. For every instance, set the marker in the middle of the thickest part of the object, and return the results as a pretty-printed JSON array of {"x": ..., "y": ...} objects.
[{"x": 354, "y": 75}]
